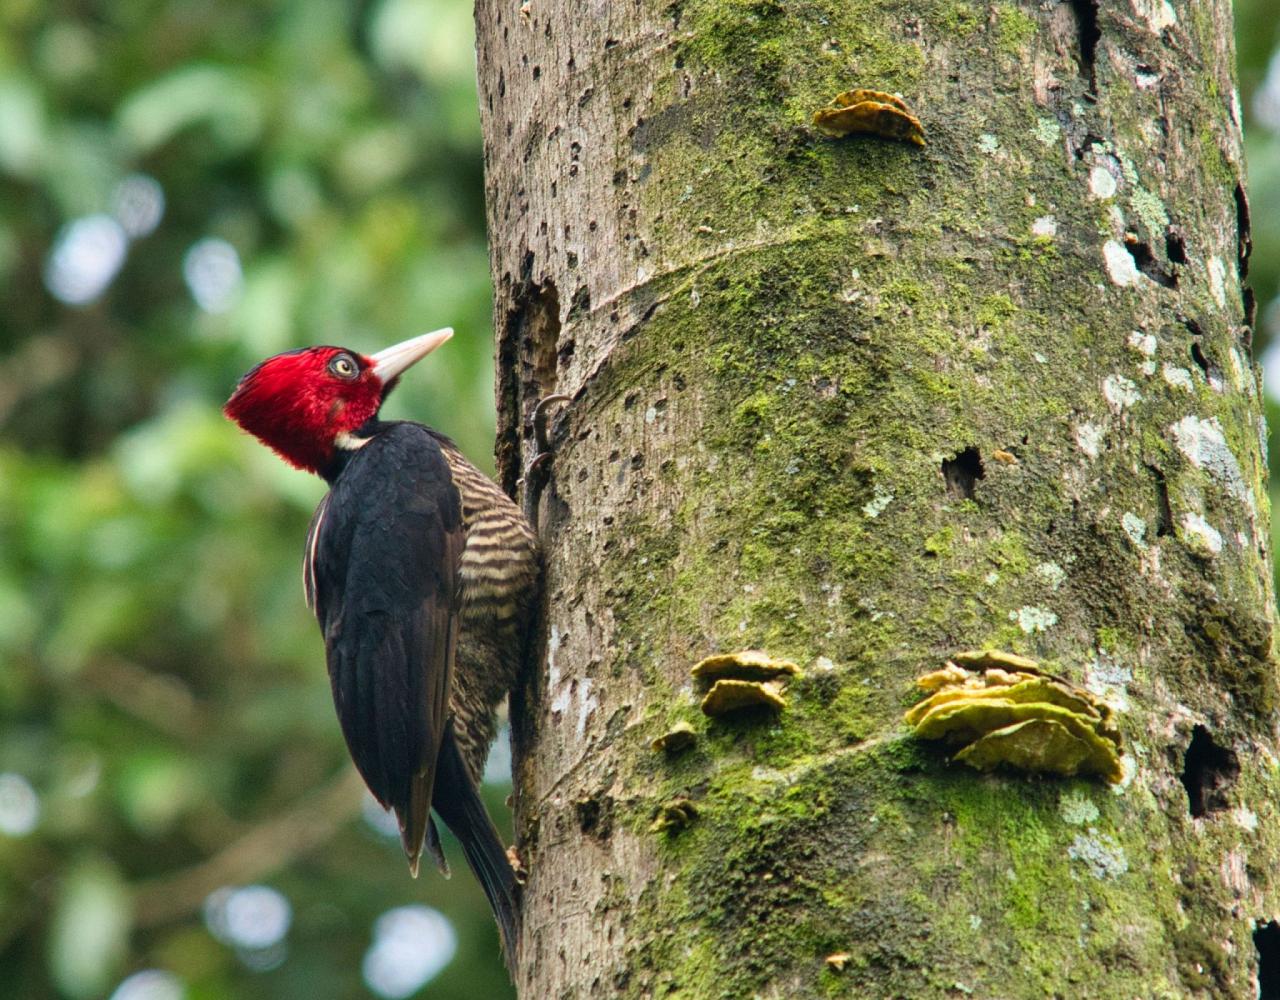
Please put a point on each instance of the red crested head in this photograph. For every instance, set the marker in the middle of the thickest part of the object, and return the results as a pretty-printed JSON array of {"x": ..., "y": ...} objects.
[{"x": 306, "y": 404}]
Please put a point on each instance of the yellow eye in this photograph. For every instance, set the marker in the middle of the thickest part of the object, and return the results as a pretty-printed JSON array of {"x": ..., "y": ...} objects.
[{"x": 344, "y": 366}]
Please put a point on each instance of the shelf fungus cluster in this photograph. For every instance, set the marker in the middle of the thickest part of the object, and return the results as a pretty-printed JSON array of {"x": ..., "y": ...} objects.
[
  {"x": 744, "y": 680},
  {"x": 1002, "y": 709},
  {"x": 869, "y": 112}
]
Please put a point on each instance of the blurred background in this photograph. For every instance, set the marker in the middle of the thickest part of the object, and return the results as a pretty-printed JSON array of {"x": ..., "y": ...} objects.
[{"x": 186, "y": 188}]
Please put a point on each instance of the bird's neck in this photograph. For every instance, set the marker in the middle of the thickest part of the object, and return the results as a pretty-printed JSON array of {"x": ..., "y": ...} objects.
[{"x": 347, "y": 444}]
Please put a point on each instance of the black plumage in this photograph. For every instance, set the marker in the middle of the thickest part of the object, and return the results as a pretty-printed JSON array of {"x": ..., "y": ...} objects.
[{"x": 384, "y": 572}]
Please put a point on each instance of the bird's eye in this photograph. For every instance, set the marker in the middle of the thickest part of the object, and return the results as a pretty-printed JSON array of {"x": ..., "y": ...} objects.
[{"x": 344, "y": 366}]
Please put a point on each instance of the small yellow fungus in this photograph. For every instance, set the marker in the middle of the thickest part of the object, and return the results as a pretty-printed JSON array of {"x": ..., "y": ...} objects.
[
  {"x": 746, "y": 665},
  {"x": 839, "y": 960},
  {"x": 674, "y": 816},
  {"x": 728, "y": 696},
  {"x": 681, "y": 736},
  {"x": 869, "y": 112}
]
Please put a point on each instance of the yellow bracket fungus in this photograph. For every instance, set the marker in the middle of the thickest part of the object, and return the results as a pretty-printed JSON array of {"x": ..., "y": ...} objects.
[
  {"x": 674, "y": 816},
  {"x": 747, "y": 679},
  {"x": 869, "y": 112},
  {"x": 681, "y": 736},
  {"x": 1001, "y": 709}
]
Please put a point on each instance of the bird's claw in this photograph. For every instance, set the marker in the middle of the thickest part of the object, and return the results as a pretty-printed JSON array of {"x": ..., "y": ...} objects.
[{"x": 534, "y": 475}]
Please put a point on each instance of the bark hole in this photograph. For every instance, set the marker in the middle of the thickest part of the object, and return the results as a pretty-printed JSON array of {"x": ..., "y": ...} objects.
[
  {"x": 962, "y": 472},
  {"x": 1088, "y": 35},
  {"x": 1175, "y": 245},
  {"x": 1164, "y": 513},
  {"x": 1146, "y": 261},
  {"x": 1244, "y": 247},
  {"x": 1266, "y": 939},
  {"x": 1208, "y": 772},
  {"x": 595, "y": 816}
]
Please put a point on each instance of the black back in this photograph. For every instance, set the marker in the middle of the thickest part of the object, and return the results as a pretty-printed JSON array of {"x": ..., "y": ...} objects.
[{"x": 382, "y": 572}]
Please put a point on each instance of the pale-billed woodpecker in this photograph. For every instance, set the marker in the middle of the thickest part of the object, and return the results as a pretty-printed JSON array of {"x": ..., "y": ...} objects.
[{"x": 423, "y": 575}]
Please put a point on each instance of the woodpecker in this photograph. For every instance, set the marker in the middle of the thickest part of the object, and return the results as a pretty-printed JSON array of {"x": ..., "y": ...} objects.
[{"x": 423, "y": 576}]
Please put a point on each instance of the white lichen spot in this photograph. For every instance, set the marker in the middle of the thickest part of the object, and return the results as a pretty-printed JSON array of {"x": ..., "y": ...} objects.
[
  {"x": 1052, "y": 574},
  {"x": 1144, "y": 343},
  {"x": 988, "y": 144},
  {"x": 1147, "y": 368},
  {"x": 1179, "y": 378},
  {"x": 1089, "y": 439},
  {"x": 1040, "y": 359},
  {"x": 824, "y": 664},
  {"x": 1047, "y": 131},
  {"x": 975, "y": 922},
  {"x": 1149, "y": 209},
  {"x": 1046, "y": 226},
  {"x": 1203, "y": 442},
  {"x": 1136, "y": 528},
  {"x": 1102, "y": 184},
  {"x": 991, "y": 579},
  {"x": 1120, "y": 393},
  {"x": 1145, "y": 80},
  {"x": 1099, "y": 853},
  {"x": 651, "y": 414},
  {"x": 695, "y": 298},
  {"x": 1108, "y": 679},
  {"x": 1120, "y": 264},
  {"x": 878, "y": 502},
  {"x": 1077, "y": 809},
  {"x": 1218, "y": 281},
  {"x": 1032, "y": 619},
  {"x": 1199, "y": 535},
  {"x": 1244, "y": 818}
]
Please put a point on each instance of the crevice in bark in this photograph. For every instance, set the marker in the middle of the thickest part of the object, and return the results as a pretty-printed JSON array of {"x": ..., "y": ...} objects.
[
  {"x": 1175, "y": 245},
  {"x": 962, "y": 471},
  {"x": 1088, "y": 36},
  {"x": 1208, "y": 772},
  {"x": 1146, "y": 261},
  {"x": 1244, "y": 248},
  {"x": 1266, "y": 940},
  {"x": 1164, "y": 513}
]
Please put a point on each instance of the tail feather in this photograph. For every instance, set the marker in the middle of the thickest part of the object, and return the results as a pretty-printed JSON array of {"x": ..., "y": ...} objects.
[{"x": 458, "y": 803}]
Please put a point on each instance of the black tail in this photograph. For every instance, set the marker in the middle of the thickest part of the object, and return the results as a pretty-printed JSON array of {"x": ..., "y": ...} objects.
[{"x": 457, "y": 800}]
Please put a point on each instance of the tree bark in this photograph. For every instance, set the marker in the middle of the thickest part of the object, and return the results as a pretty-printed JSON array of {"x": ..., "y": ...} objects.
[{"x": 863, "y": 404}]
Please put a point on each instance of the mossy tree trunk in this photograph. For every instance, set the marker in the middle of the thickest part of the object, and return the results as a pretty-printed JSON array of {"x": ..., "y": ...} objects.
[{"x": 863, "y": 404}]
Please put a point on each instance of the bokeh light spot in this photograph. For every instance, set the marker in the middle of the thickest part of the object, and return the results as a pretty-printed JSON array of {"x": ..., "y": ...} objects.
[
  {"x": 252, "y": 917},
  {"x": 150, "y": 984},
  {"x": 213, "y": 275},
  {"x": 19, "y": 806},
  {"x": 87, "y": 254},
  {"x": 411, "y": 945},
  {"x": 138, "y": 204}
]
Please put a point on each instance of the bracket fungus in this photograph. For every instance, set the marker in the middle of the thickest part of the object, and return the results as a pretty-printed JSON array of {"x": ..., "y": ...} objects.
[
  {"x": 1002, "y": 709},
  {"x": 747, "y": 679},
  {"x": 869, "y": 112},
  {"x": 679, "y": 737},
  {"x": 674, "y": 816}
]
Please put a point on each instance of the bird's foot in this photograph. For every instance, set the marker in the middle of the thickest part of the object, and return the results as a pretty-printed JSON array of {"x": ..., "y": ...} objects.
[
  {"x": 517, "y": 865},
  {"x": 535, "y": 473}
]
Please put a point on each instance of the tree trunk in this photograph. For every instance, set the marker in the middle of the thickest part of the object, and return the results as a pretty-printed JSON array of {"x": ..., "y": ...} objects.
[{"x": 864, "y": 404}]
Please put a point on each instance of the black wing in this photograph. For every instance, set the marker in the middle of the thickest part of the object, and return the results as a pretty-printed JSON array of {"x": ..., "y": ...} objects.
[{"x": 382, "y": 573}]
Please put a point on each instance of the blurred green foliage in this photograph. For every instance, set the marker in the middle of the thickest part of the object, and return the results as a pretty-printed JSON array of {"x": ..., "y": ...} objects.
[
  {"x": 162, "y": 695},
  {"x": 162, "y": 688}
]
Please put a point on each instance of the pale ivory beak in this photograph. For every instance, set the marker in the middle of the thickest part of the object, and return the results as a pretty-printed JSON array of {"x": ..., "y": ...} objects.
[{"x": 389, "y": 363}]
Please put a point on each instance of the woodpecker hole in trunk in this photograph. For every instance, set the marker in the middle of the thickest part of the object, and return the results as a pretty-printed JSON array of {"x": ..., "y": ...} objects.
[
  {"x": 962, "y": 471},
  {"x": 1208, "y": 772},
  {"x": 1266, "y": 940}
]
